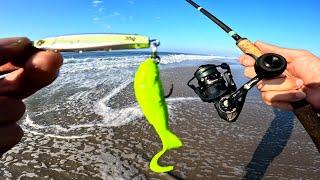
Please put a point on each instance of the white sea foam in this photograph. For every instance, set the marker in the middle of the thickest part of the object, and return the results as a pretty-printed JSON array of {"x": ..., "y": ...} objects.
[
  {"x": 111, "y": 117},
  {"x": 110, "y": 59},
  {"x": 30, "y": 175},
  {"x": 55, "y": 135},
  {"x": 131, "y": 61},
  {"x": 101, "y": 103},
  {"x": 175, "y": 99},
  {"x": 117, "y": 117},
  {"x": 177, "y": 58},
  {"x": 29, "y": 122}
]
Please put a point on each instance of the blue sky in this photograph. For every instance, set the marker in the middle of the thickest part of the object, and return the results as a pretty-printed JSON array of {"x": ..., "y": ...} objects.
[{"x": 179, "y": 27}]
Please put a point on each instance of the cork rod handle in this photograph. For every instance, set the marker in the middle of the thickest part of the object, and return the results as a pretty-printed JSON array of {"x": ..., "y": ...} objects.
[{"x": 248, "y": 47}]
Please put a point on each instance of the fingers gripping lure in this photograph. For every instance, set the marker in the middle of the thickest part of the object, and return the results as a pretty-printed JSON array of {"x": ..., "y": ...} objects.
[{"x": 151, "y": 99}]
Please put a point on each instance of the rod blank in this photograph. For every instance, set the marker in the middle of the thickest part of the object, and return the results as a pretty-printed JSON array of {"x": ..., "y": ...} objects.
[{"x": 214, "y": 19}]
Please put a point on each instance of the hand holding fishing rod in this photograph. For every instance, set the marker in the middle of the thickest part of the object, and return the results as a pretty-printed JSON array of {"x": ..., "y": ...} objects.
[
  {"x": 295, "y": 85},
  {"x": 229, "y": 103},
  {"x": 266, "y": 66}
]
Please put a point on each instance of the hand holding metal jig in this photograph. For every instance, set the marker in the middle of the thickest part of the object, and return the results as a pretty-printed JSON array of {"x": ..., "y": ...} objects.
[{"x": 27, "y": 70}]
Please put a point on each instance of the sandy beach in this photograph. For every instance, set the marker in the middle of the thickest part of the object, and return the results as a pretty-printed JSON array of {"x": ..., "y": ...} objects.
[{"x": 263, "y": 143}]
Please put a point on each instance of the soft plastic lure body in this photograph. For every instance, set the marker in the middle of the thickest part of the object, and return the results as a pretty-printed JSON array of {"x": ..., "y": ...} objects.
[{"x": 150, "y": 96}]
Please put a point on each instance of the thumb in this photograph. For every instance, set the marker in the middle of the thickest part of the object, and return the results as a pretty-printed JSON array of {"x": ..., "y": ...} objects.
[{"x": 289, "y": 54}]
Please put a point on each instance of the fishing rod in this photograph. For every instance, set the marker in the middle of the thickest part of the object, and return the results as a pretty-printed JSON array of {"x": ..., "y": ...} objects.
[{"x": 266, "y": 66}]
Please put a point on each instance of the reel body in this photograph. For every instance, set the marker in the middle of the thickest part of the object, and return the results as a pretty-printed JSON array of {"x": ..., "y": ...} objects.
[
  {"x": 212, "y": 84},
  {"x": 220, "y": 89}
]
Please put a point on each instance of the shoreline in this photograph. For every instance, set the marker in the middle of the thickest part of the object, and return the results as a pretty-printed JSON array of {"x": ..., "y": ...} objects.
[{"x": 263, "y": 142}]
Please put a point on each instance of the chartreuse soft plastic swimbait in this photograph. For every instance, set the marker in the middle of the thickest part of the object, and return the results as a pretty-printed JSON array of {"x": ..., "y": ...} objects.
[{"x": 150, "y": 96}]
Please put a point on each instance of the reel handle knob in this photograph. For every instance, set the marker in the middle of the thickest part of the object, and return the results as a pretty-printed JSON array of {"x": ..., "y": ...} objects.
[
  {"x": 270, "y": 65},
  {"x": 267, "y": 65}
]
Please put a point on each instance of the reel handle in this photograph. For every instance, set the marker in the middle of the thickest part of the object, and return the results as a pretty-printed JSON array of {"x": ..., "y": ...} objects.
[{"x": 306, "y": 114}]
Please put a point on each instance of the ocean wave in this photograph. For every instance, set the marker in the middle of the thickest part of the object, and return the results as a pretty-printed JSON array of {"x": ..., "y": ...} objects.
[
  {"x": 178, "y": 58},
  {"x": 135, "y": 60},
  {"x": 111, "y": 117},
  {"x": 110, "y": 59},
  {"x": 85, "y": 91}
]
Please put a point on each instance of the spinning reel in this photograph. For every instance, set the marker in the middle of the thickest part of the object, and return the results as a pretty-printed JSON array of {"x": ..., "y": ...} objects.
[{"x": 213, "y": 87}]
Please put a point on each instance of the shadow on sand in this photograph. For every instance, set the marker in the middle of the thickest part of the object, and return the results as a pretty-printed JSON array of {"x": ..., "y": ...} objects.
[{"x": 271, "y": 145}]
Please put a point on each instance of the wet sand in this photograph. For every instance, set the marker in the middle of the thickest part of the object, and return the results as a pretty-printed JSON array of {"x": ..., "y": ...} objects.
[{"x": 262, "y": 143}]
